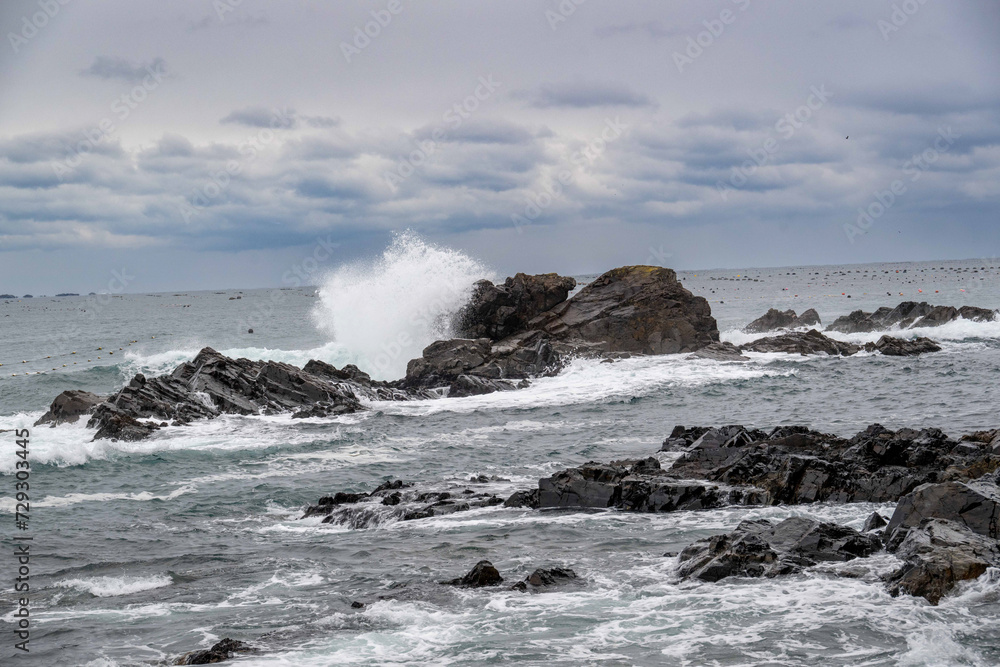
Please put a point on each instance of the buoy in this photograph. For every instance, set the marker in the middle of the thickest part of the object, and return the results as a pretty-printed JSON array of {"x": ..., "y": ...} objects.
[{"x": 100, "y": 348}]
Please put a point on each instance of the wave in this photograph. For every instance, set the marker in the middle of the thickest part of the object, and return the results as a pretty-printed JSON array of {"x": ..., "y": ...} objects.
[
  {"x": 104, "y": 587},
  {"x": 388, "y": 310},
  {"x": 956, "y": 331}
]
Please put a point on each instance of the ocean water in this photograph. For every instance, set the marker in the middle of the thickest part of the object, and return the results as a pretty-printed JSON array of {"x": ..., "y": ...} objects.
[{"x": 144, "y": 551}]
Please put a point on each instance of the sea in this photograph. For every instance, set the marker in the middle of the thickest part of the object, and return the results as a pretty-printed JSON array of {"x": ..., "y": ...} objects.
[{"x": 142, "y": 551}]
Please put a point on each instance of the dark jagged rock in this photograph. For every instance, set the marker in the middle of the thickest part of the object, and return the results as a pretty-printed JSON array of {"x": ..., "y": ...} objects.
[
  {"x": 636, "y": 485},
  {"x": 764, "y": 549},
  {"x": 975, "y": 505},
  {"x": 472, "y": 367},
  {"x": 874, "y": 522},
  {"x": 720, "y": 352},
  {"x": 213, "y": 384},
  {"x": 799, "y": 342},
  {"x": 544, "y": 578},
  {"x": 638, "y": 309},
  {"x": 523, "y": 499},
  {"x": 69, "y": 406},
  {"x": 482, "y": 575},
  {"x": 395, "y": 501},
  {"x": 907, "y": 315},
  {"x": 681, "y": 438},
  {"x": 897, "y": 347},
  {"x": 499, "y": 311},
  {"x": 938, "y": 554},
  {"x": 220, "y": 652},
  {"x": 116, "y": 425},
  {"x": 775, "y": 319}
]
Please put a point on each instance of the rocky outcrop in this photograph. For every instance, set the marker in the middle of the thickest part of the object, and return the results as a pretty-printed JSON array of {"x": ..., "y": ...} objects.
[
  {"x": 68, "y": 407},
  {"x": 775, "y": 319},
  {"x": 546, "y": 578},
  {"x": 974, "y": 504},
  {"x": 908, "y": 315},
  {"x": 720, "y": 352},
  {"x": 471, "y": 367},
  {"x": 801, "y": 342},
  {"x": 937, "y": 554},
  {"x": 395, "y": 501},
  {"x": 499, "y": 311},
  {"x": 897, "y": 347},
  {"x": 637, "y": 309},
  {"x": 480, "y": 576},
  {"x": 220, "y": 652},
  {"x": 213, "y": 384},
  {"x": 763, "y": 549}
]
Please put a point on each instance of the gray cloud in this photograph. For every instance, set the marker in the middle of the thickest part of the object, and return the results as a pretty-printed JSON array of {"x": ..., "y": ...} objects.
[
  {"x": 583, "y": 96},
  {"x": 113, "y": 67},
  {"x": 273, "y": 118}
]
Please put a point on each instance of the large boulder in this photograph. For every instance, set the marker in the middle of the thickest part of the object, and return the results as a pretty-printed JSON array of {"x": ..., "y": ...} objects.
[
  {"x": 775, "y": 319},
  {"x": 937, "y": 554},
  {"x": 68, "y": 407},
  {"x": 498, "y": 311},
  {"x": 801, "y": 342},
  {"x": 763, "y": 549},
  {"x": 975, "y": 505},
  {"x": 638, "y": 309}
]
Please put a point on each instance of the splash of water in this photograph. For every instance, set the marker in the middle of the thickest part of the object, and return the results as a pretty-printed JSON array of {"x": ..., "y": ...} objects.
[{"x": 385, "y": 312}]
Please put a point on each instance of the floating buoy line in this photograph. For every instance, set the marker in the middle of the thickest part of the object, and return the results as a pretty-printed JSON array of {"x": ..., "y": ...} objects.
[{"x": 72, "y": 358}]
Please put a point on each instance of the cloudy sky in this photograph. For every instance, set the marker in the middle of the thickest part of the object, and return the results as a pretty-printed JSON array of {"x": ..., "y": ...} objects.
[{"x": 219, "y": 143}]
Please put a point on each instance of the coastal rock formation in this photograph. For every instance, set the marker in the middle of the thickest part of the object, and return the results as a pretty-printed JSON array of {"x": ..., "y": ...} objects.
[
  {"x": 545, "y": 578},
  {"x": 937, "y": 554},
  {"x": 483, "y": 574},
  {"x": 973, "y": 504},
  {"x": 499, "y": 311},
  {"x": 801, "y": 342},
  {"x": 720, "y": 352},
  {"x": 68, "y": 407},
  {"x": 213, "y": 384},
  {"x": 907, "y": 315},
  {"x": 897, "y": 347},
  {"x": 220, "y": 652},
  {"x": 775, "y": 319},
  {"x": 763, "y": 549},
  {"x": 638, "y": 309}
]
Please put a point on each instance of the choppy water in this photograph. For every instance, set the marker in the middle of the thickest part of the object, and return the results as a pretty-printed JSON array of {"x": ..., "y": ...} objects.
[{"x": 147, "y": 550}]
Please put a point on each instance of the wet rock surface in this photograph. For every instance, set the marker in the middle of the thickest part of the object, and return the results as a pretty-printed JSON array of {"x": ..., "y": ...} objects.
[
  {"x": 499, "y": 311},
  {"x": 762, "y": 548},
  {"x": 220, "y": 652},
  {"x": 897, "y": 347},
  {"x": 545, "y": 578},
  {"x": 480, "y": 576},
  {"x": 908, "y": 315},
  {"x": 775, "y": 319},
  {"x": 801, "y": 342},
  {"x": 68, "y": 407}
]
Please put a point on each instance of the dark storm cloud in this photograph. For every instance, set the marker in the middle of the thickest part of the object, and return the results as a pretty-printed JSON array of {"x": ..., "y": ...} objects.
[
  {"x": 113, "y": 67},
  {"x": 273, "y": 118}
]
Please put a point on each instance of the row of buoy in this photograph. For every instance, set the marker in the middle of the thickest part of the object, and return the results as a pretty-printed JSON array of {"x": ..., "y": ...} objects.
[{"x": 99, "y": 349}]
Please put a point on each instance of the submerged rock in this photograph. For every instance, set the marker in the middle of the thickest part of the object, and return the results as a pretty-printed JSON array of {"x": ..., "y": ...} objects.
[
  {"x": 720, "y": 352},
  {"x": 69, "y": 406},
  {"x": 937, "y": 555},
  {"x": 775, "y": 319},
  {"x": 220, "y": 652},
  {"x": 482, "y": 575},
  {"x": 544, "y": 578},
  {"x": 897, "y": 347}
]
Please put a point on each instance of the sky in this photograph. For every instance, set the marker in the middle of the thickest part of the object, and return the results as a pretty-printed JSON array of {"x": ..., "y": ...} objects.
[{"x": 250, "y": 143}]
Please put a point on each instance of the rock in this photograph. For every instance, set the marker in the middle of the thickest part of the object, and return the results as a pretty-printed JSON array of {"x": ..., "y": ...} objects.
[
  {"x": 68, "y": 407},
  {"x": 763, "y": 549},
  {"x": 220, "y": 652},
  {"x": 907, "y": 315},
  {"x": 523, "y": 499},
  {"x": 775, "y": 319},
  {"x": 975, "y": 505},
  {"x": 638, "y": 309},
  {"x": 483, "y": 574},
  {"x": 213, "y": 384},
  {"x": 897, "y": 347},
  {"x": 874, "y": 522},
  {"x": 357, "y": 605},
  {"x": 542, "y": 578},
  {"x": 682, "y": 438},
  {"x": 115, "y": 425},
  {"x": 720, "y": 352},
  {"x": 808, "y": 342},
  {"x": 499, "y": 311},
  {"x": 938, "y": 554}
]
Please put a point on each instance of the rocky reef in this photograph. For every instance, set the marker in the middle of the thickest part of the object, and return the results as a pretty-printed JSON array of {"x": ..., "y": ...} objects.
[{"x": 908, "y": 315}]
